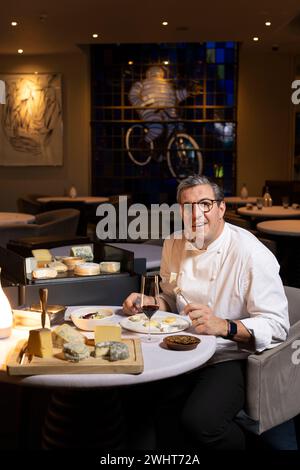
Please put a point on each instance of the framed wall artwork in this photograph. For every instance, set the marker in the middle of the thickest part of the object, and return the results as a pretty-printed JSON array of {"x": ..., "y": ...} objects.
[{"x": 31, "y": 130}]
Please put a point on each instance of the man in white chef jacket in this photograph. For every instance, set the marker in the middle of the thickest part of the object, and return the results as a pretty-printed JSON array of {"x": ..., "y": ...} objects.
[{"x": 228, "y": 283}]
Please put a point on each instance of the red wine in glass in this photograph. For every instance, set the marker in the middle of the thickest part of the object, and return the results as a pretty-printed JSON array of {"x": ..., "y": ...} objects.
[{"x": 149, "y": 298}]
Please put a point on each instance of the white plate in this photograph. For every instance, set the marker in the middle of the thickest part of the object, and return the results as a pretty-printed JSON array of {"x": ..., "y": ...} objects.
[
  {"x": 88, "y": 324},
  {"x": 158, "y": 324}
]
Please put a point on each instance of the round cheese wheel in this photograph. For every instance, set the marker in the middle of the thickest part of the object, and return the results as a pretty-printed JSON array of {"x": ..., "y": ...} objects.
[
  {"x": 44, "y": 273},
  {"x": 87, "y": 269}
]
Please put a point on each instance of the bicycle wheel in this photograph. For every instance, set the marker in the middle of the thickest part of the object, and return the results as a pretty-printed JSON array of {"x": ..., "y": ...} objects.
[
  {"x": 138, "y": 149},
  {"x": 184, "y": 157}
]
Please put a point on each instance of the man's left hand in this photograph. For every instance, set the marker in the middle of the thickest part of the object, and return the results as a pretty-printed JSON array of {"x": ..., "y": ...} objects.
[{"x": 204, "y": 321}]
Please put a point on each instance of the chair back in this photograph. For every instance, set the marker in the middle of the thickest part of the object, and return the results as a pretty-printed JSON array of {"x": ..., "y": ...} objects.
[{"x": 62, "y": 222}]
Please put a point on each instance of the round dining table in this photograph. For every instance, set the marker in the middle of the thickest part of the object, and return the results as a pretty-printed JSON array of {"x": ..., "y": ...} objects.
[
  {"x": 273, "y": 212},
  {"x": 7, "y": 218},
  {"x": 159, "y": 362},
  {"x": 239, "y": 201},
  {"x": 287, "y": 235},
  {"x": 84, "y": 199},
  {"x": 289, "y": 228},
  {"x": 77, "y": 402}
]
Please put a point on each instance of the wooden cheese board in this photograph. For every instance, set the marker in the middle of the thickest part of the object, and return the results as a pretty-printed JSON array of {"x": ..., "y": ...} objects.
[{"x": 20, "y": 363}]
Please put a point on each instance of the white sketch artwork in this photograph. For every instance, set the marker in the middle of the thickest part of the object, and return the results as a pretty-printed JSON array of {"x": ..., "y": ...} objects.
[{"x": 31, "y": 131}]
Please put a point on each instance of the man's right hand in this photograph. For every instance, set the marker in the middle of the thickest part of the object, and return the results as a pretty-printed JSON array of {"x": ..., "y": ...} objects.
[{"x": 131, "y": 304}]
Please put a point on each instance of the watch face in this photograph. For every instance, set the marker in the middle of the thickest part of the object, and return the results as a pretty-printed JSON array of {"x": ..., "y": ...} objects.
[{"x": 232, "y": 328}]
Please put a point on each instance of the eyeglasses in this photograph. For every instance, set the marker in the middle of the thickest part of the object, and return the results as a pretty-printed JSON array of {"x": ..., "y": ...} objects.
[{"x": 205, "y": 205}]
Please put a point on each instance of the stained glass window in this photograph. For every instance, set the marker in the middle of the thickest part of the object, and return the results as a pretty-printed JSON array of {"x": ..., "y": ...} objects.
[{"x": 201, "y": 81}]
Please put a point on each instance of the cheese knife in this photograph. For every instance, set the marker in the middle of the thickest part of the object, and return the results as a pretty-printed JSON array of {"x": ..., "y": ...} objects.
[{"x": 43, "y": 300}]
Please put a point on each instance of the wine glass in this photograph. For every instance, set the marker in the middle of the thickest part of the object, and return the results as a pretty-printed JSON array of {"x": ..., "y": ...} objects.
[{"x": 149, "y": 298}]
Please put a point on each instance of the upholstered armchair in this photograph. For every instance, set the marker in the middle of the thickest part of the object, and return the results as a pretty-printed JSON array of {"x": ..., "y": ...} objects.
[
  {"x": 273, "y": 378},
  {"x": 62, "y": 222}
]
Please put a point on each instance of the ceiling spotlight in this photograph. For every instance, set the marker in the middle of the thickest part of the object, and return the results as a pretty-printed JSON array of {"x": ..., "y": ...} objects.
[
  {"x": 255, "y": 38},
  {"x": 165, "y": 23},
  {"x": 95, "y": 35},
  {"x": 20, "y": 51},
  {"x": 268, "y": 23},
  {"x": 14, "y": 23},
  {"x": 36, "y": 73},
  {"x": 130, "y": 62},
  {"x": 166, "y": 62}
]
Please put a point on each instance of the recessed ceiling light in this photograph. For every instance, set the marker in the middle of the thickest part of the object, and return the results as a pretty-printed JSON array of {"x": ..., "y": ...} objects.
[
  {"x": 14, "y": 23},
  {"x": 165, "y": 23},
  {"x": 95, "y": 35},
  {"x": 20, "y": 51},
  {"x": 130, "y": 62},
  {"x": 166, "y": 62},
  {"x": 255, "y": 38},
  {"x": 36, "y": 73},
  {"x": 268, "y": 23}
]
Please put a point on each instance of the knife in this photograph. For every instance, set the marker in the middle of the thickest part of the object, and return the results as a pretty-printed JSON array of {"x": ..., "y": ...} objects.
[{"x": 43, "y": 301}]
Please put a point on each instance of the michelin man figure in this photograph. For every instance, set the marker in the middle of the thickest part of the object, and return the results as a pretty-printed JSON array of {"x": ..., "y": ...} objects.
[{"x": 156, "y": 99}]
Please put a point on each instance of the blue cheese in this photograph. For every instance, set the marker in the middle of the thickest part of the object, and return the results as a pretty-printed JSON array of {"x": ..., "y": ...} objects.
[
  {"x": 111, "y": 350},
  {"x": 76, "y": 352},
  {"x": 118, "y": 351}
]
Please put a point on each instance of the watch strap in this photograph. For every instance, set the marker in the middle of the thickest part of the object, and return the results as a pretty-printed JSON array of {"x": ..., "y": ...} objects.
[{"x": 232, "y": 329}]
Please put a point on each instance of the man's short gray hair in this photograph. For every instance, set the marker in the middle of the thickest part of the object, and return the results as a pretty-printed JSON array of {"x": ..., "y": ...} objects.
[{"x": 196, "y": 180}]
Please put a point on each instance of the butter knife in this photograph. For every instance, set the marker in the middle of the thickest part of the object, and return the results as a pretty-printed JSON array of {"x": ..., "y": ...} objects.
[{"x": 43, "y": 301}]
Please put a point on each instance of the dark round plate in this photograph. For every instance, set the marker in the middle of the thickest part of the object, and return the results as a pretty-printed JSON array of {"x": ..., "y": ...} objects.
[{"x": 181, "y": 342}]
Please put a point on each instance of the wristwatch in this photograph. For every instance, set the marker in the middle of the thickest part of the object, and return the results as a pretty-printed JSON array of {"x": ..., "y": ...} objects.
[{"x": 232, "y": 329}]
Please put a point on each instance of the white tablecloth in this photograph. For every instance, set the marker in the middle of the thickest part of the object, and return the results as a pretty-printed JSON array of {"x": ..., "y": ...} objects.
[
  {"x": 159, "y": 363},
  {"x": 236, "y": 200},
  {"x": 273, "y": 212},
  {"x": 85, "y": 199},
  {"x": 280, "y": 227}
]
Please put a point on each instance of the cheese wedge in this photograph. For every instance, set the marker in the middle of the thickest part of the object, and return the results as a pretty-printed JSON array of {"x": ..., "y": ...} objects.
[
  {"x": 66, "y": 334},
  {"x": 107, "y": 333},
  {"x": 40, "y": 343},
  {"x": 42, "y": 256}
]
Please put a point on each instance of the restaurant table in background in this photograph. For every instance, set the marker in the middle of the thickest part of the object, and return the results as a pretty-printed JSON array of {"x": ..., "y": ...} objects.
[
  {"x": 87, "y": 205},
  {"x": 274, "y": 212},
  {"x": 7, "y": 218},
  {"x": 238, "y": 201},
  {"x": 95, "y": 397},
  {"x": 287, "y": 236},
  {"x": 85, "y": 199},
  {"x": 280, "y": 227}
]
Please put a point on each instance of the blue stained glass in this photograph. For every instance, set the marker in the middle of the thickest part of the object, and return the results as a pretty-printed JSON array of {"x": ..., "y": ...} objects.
[
  {"x": 220, "y": 56},
  {"x": 210, "y": 45},
  {"x": 210, "y": 99},
  {"x": 220, "y": 99},
  {"x": 230, "y": 44},
  {"x": 230, "y": 100},
  {"x": 221, "y": 71},
  {"x": 229, "y": 55},
  {"x": 211, "y": 71},
  {"x": 199, "y": 100},
  {"x": 210, "y": 85},
  {"x": 229, "y": 86},
  {"x": 210, "y": 55}
]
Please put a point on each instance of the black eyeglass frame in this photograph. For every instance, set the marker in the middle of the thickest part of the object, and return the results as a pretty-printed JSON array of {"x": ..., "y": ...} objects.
[{"x": 192, "y": 204}]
